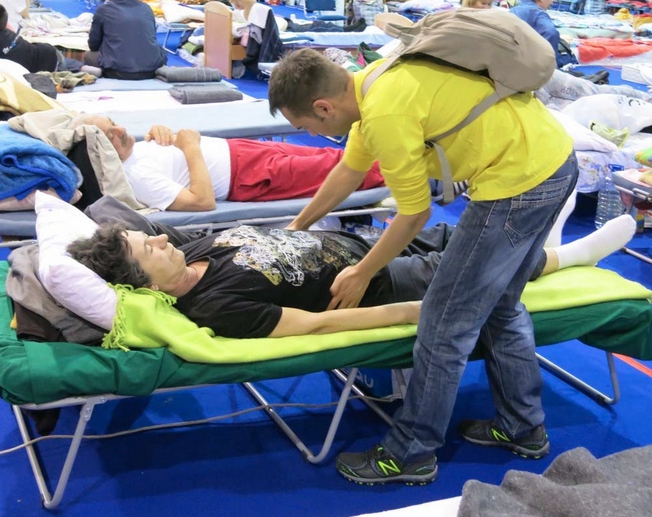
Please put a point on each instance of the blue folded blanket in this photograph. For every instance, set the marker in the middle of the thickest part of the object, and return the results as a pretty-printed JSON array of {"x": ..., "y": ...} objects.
[{"x": 28, "y": 164}]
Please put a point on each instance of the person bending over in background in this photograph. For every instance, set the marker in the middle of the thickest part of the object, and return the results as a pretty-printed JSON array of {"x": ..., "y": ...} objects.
[
  {"x": 35, "y": 57},
  {"x": 533, "y": 12},
  {"x": 189, "y": 172},
  {"x": 248, "y": 282},
  {"x": 123, "y": 41}
]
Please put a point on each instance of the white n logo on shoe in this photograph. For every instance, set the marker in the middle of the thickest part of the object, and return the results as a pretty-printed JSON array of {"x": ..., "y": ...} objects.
[
  {"x": 499, "y": 435},
  {"x": 388, "y": 467}
]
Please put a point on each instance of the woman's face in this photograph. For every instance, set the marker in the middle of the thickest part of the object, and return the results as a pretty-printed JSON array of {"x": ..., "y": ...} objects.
[{"x": 482, "y": 4}]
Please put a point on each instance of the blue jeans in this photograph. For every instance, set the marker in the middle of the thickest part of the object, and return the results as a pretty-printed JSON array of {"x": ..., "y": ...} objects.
[{"x": 475, "y": 295}]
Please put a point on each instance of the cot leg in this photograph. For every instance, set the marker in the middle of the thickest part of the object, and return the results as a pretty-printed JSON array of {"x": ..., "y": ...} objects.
[
  {"x": 582, "y": 386},
  {"x": 364, "y": 398},
  {"x": 51, "y": 502},
  {"x": 330, "y": 435},
  {"x": 638, "y": 255}
]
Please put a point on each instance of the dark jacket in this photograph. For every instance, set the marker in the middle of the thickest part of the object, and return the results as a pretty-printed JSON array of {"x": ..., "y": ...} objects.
[
  {"x": 36, "y": 57},
  {"x": 124, "y": 33},
  {"x": 264, "y": 46}
]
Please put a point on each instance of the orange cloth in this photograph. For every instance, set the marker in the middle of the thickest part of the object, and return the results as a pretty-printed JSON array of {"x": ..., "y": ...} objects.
[{"x": 594, "y": 49}]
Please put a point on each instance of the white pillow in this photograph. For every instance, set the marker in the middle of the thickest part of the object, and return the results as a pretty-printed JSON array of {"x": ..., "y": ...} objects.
[
  {"x": 72, "y": 284},
  {"x": 583, "y": 138},
  {"x": 15, "y": 70}
]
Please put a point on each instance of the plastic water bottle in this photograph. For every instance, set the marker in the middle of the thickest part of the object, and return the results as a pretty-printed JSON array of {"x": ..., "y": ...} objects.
[{"x": 610, "y": 204}]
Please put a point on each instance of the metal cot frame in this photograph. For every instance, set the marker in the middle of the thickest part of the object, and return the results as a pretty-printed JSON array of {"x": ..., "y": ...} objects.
[{"x": 87, "y": 405}]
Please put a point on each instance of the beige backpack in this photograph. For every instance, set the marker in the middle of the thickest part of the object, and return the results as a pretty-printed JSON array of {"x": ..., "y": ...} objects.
[{"x": 492, "y": 42}]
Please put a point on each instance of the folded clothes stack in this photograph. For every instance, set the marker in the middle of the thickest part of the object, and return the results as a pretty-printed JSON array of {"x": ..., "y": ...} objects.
[
  {"x": 204, "y": 93},
  {"x": 182, "y": 74}
]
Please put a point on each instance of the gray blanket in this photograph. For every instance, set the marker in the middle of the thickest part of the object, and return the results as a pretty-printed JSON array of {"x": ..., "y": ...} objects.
[
  {"x": 575, "y": 484},
  {"x": 203, "y": 93},
  {"x": 182, "y": 74}
]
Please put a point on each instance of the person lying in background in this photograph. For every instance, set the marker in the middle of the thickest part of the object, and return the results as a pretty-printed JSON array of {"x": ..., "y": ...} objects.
[
  {"x": 122, "y": 41},
  {"x": 190, "y": 172},
  {"x": 35, "y": 57},
  {"x": 248, "y": 282}
]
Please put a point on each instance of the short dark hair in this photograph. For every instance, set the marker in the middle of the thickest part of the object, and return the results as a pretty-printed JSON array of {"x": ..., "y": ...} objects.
[
  {"x": 301, "y": 78},
  {"x": 3, "y": 17},
  {"x": 107, "y": 252}
]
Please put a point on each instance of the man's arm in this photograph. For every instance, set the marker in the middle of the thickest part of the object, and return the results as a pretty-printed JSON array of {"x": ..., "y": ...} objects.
[
  {"x": 339, "y": 184},
  {"x": 199, "y": 196},
  {"x": 297, "y": 322},
  {"x": 350, "y": 285}
]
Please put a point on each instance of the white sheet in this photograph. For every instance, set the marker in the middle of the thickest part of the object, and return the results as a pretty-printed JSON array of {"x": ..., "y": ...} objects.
[{"x": 104, "y": 101}]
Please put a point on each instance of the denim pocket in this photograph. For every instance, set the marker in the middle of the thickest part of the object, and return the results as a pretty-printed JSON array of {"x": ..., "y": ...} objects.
[{"x": 530, "y": 212}]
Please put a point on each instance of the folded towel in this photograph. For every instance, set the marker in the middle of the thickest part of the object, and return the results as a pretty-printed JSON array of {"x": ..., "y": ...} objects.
[
  {"x": 27, "y": 164},
  {"x": 201, "y": 94},
  {"x": 182, "y": 74}
]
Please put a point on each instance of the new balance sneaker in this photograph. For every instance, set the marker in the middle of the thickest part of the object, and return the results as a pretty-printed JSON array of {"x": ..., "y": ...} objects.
[
  {"x": 377, "y": 465},
  {"x": 533, "y": 445}
]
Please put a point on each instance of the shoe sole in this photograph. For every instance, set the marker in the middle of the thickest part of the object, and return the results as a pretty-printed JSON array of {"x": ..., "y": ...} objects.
[
  {"x": 406, "y": 479},
  {"x": 515, "y": 448}
]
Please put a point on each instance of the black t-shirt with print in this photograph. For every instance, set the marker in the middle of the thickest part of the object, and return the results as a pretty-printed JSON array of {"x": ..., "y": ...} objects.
[
  {"x": 36, "y": 57},
  {"x": 254, "y": 271}
]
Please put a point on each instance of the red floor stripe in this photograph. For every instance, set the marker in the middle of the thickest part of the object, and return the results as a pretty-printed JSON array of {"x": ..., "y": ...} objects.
[{"x": 634, "y": 363}]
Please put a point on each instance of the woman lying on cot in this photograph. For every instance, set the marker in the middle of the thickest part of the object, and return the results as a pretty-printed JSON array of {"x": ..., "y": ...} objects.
[
  {"x": 248, "y": 282},
  {"x": 189, "y": 172}
]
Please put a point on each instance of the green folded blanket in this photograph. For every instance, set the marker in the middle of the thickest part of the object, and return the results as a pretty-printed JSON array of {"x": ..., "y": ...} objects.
[{"x": 147, "y": 319}]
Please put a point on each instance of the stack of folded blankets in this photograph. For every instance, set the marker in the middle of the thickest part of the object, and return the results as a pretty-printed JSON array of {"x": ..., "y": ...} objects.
[{"x": 205, "y": 85}]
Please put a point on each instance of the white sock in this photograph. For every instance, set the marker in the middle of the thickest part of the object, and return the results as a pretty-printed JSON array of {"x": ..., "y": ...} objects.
[
  {"x": 588, "y": 250},
  {"x": 554, "y": 237}
]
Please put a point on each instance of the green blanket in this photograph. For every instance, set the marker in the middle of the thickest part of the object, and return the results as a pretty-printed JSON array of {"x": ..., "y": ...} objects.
[{"x": 147, "y": 319}]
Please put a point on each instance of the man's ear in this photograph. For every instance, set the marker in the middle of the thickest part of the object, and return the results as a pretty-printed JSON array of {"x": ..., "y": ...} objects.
[{"x": 322, "y": 108}]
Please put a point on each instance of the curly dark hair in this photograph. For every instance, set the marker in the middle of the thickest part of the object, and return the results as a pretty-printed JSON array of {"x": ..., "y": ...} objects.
[
  {"x": 107, "y": 253},
  {"x": 301, "y": 78}
]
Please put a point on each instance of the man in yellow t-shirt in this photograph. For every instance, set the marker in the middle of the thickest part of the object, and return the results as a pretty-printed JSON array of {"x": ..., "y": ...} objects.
[{"x": 520, "y": 167}]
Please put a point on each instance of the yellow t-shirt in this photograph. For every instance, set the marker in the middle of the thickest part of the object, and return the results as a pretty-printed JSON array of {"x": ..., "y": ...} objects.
[{"x": 512, "y": 147}]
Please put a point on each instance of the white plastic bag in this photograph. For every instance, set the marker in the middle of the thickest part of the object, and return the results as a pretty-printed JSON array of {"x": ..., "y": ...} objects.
[{"x": 614, "y": 111}]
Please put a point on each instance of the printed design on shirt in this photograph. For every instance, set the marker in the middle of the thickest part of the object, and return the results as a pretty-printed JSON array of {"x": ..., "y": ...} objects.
[{"x": 281, "y": 255}]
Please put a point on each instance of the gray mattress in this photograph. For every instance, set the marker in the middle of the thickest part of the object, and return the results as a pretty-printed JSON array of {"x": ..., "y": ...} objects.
[
  {"x": 123, "y": 85},
  {"x": 225, "y": 120},
  {"x": 22, "y": 224}
]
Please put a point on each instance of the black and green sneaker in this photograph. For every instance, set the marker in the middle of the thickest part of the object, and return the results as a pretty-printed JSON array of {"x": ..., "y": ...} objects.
[
  {"x": 533, "y": 445},
  {"x": 377, "y": 465}
]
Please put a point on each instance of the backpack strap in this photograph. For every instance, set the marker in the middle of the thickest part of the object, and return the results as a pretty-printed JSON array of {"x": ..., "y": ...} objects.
[
  {"x": 375, "y": 74},
  {"x": 447, "y": 177}
]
